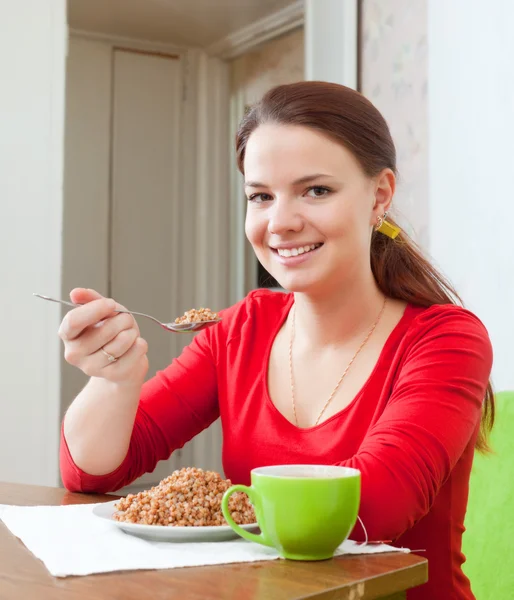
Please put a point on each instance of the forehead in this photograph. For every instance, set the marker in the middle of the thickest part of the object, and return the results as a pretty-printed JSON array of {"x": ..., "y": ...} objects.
[{"x": 294, "y": 151}]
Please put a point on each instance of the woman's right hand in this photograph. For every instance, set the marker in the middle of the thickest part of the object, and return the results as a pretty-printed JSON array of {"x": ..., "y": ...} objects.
[{"x": 94, "y": 331}]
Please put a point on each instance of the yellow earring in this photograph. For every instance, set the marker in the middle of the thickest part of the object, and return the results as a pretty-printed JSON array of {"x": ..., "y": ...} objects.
[{"x": 386, "y": 228}]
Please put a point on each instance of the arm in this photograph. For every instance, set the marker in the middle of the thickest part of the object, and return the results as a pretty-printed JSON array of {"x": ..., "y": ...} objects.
[
  {"x": 171, "y": 408},
  {"x": 431, "y": 416},
  {"x": 97, "y": 446}
]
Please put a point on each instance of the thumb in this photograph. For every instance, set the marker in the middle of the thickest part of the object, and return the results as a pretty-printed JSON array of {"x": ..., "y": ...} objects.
[{"x": 84, "y": 295}]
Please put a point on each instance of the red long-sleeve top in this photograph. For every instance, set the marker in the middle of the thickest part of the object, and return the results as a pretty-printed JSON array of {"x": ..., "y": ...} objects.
[{"x": 411, "y": 430}]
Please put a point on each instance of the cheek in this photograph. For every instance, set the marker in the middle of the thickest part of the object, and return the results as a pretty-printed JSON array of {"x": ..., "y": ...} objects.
[
  {"x": 349, "y": 218},
  {"x": 255, "y": 227},
  {"x": 335, "y": 224}
]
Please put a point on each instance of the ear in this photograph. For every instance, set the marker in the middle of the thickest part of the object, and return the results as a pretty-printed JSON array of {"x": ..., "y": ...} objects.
[{"x": 385, "y": 186}]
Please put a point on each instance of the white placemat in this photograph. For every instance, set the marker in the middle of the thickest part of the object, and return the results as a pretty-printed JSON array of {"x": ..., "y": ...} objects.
[{"x": 70, "y": 540}]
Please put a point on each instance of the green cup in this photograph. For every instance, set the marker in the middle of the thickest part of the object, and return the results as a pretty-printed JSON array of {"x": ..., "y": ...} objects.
[{"x": 304, "y": 511}]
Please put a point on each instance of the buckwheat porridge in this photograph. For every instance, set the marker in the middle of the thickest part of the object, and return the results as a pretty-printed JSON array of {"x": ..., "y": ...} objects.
[
  {"x": 197, "y": 316},
  {"x": 189, "y": 497}
]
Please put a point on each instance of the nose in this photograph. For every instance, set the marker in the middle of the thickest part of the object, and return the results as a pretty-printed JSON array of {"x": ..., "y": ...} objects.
[{"x": 284, "y": 217}]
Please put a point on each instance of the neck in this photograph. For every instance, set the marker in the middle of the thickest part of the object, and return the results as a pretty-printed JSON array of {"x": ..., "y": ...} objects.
[{"x": 335, "y": 318}]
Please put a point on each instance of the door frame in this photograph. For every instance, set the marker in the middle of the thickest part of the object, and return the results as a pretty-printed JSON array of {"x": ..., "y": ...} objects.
[
  {"x": 245, "y": 268},
  {"x": 306, "y": 14}
]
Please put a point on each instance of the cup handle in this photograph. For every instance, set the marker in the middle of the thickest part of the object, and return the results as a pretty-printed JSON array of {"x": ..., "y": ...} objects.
[{"x": 254, "y": 497}]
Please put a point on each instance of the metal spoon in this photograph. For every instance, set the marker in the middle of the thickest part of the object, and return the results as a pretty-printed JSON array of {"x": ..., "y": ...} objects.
[{"x": 175, "y": 327}]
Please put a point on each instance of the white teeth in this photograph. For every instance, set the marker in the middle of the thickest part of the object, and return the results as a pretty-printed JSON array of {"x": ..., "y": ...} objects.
[{"x": 287, "y": 253}]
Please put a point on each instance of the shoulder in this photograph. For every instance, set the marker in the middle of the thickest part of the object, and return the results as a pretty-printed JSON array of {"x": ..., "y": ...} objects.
[
  {"x": 447, "y": 318},
  {"x": 448, "y": 327}
]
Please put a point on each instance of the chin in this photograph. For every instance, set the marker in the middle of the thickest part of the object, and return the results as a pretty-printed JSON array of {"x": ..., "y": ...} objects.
[{"x": 297, "y": 283}]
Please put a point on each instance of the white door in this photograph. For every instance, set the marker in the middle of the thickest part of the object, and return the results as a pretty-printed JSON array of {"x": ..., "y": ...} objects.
[
  {"x": 129, "y": 223},
  {"x": 144, "y": 236}
]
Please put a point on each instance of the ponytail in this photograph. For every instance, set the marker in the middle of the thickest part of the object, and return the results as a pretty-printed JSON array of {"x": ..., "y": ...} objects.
[{"x": 402, "y": 272}]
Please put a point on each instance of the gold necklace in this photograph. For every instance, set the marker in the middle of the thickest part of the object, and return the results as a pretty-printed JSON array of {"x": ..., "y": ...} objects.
[{"x": 345, "y": 371}]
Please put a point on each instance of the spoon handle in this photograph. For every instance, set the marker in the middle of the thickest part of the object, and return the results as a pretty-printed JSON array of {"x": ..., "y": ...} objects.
[
  {"x": 131, "y": 312},
  {"x": 58, "y": 301}
]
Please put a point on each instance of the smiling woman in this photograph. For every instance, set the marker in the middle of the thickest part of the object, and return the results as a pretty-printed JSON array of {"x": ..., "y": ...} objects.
[
  {"x": 330, "y": 210},
  {"x": 366, "y": 362}
]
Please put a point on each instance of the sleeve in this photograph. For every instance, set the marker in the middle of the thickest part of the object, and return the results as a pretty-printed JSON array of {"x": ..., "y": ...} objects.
[
  {"x": 176, "y": 404},
  {"x": 431, "y": 416}
]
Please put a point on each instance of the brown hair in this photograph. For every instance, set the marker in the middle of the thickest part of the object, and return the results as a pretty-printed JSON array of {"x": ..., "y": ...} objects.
[{"x": 399, "y": 267}]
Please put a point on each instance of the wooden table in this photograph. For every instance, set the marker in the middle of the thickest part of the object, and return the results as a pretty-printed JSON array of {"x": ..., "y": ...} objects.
[{"x": 367, "y": 577}]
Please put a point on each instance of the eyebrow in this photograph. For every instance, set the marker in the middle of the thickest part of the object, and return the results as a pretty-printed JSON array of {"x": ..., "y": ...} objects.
[{"x": 306, "y": 179}]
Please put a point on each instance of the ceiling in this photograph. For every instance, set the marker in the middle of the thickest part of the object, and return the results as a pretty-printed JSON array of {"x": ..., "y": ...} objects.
[{"x": 178, "y": 22}]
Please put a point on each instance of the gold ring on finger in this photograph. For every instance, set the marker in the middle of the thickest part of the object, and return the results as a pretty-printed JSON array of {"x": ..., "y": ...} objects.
[{"x": 110, "y": 357}]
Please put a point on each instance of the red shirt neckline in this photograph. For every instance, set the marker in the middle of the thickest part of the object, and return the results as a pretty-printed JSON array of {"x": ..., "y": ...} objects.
[{"x": 391, "y": 340}]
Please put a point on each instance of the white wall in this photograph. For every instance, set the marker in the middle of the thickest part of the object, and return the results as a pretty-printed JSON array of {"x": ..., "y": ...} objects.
[
  {"x": 32, "y": 60},
  {"x": 331, "y": 41},
  {"x": 394, "y": 76},
  {"x": 471, "y": 155}
]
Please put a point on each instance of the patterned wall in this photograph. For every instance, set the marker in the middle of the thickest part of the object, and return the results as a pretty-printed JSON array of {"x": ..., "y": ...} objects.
[
  {"x": 394, "y": 78},
  {"x": 277, "y": 62}
]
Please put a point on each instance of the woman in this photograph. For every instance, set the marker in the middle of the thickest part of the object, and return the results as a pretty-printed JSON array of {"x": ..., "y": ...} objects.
[{"x": 367, "y": 362}]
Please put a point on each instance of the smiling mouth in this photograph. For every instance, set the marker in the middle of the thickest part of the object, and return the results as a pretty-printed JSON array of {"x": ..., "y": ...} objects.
[{"x": 288, "y": 252}]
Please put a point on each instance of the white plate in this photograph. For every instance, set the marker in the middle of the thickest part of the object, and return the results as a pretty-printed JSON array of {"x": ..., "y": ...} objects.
[{"x": 171, "y": 533}]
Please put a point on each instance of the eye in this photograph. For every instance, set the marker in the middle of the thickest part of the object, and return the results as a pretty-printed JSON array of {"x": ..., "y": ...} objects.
[
  {"x": 318, "y": 191},
  {"x": 259, "y": 198}
]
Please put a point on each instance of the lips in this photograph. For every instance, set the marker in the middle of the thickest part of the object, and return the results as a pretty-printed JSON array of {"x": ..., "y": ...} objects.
[
  {"x": 296, "y": 250},
  {"x": 295, "y": 255},
  {"x": 288, "y": 252}
]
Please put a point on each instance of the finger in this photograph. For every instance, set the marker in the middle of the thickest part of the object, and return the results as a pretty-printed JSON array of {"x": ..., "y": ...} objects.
[
  {"x": 78, "y": 319},
  {"x": 134, "y": 322},
  {"x": 96, "y": 336},
  {"x": 98, "y": 365},
  {"x": 133, "y": 366},
  {"x": 84, "y": 295},
  {"x": 120, "y": 345},
  {"x": 130, "y": 358}
]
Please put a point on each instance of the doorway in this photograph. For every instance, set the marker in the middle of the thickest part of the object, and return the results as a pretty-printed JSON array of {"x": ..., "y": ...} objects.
[{"x": 149, "y": 216}]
